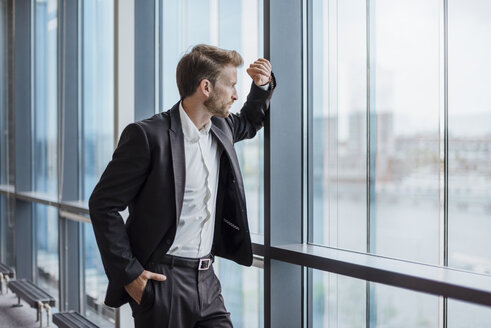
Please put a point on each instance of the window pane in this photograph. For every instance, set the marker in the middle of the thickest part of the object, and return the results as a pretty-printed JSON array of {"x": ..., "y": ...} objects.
[
  {"x": 98, "y": 90},
  {"x": 340, "y": 301},
  {"x": 236, "y": 25},
  {"x": 337, "y": 301},
  {"x": 405, "y": 109},
  {"x": 6, "y": 231},
  {"x": 463, "y": 315},
  {"x": 339, "y": 123},
  {"x": 47, "y": 258},
  {"x": 45, "y": 108},
  {"x": 403, "y": 126},
  {"x": 469, "y": 126},
  {"x": 243, "y": 292},
  {"x": 95, "y": 282}
]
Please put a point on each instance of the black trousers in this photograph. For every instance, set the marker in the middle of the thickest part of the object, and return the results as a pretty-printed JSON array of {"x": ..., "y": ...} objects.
[{"x": 188, "y": 298}]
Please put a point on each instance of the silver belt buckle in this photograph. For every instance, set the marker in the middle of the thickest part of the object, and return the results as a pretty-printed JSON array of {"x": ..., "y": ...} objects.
[{"x": 204, "y": 264}]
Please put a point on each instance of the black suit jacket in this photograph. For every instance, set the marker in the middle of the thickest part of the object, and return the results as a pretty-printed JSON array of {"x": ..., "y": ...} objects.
[{"x": 147, "y": 175}]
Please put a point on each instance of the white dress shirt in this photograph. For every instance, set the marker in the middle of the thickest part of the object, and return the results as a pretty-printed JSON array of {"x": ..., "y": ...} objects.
[{"x": 194, "y": 234}]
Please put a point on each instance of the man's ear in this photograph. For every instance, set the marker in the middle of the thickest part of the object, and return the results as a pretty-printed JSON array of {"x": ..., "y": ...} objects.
[{"x": 205, "y": 87}]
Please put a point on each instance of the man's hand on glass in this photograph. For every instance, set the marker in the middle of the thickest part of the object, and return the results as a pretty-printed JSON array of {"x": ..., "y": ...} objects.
[{"x": 260, "y": 71}]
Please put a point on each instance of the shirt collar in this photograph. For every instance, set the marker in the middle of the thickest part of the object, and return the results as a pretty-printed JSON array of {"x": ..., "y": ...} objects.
[{"x": 189, "y": 130}]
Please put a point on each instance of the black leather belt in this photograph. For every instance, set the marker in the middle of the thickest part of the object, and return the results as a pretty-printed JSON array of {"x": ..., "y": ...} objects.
[{"x": 200, "y": 264}]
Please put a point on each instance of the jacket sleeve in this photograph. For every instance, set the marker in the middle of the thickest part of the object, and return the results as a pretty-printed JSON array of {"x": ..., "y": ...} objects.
[
  {"x": 250, "y": 119},
  {"x": 119, "y": 184}
]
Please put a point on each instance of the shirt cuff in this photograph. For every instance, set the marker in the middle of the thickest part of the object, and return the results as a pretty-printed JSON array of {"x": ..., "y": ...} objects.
[{"x": 264, "y": 87}]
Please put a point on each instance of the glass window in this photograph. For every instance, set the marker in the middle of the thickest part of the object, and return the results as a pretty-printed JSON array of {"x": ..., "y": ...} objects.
[
  {"x": 403, "y": 135},
  {"x": 405, "y": 106},
  {"x": 337, "y": 301},
  {"x": 243, "y": 292},
  {"x": 47, "y": 255},
  {"x": 236, "y": 25},
  {"x": 95, "y": 282},
  {"x": 463, "y": 315},
  {"x": 469, "y": 134},
  {"x": 98, "y": 91},
  {"x": 339, "y": 123},
  {"x": 340, "y": 301},
  {"x": 45, "y": 102},
  {"x": 7, "y": 255},
  {"x": 98, "y": 141}
]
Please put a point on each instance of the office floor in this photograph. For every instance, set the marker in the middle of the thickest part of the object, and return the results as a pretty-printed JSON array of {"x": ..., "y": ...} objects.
[{"x": 17, "y": 317}]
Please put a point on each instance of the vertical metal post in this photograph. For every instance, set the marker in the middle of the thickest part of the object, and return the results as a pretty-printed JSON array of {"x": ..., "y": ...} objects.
[
  {"x": 267, "y": 180},
  {"x": 285, "y": 195},
  {"x": 445, "y": 153},
  {"x": 23, "y": 137},
  {"x": 308, "y": 145},
  {"x": 371, "y": 118},
  {"x": 69, "y": 166},
  {"x": 145, "y": 69}
]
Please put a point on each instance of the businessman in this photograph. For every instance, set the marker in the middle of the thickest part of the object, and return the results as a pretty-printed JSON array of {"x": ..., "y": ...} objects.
[{"x": 178, "y": 174}]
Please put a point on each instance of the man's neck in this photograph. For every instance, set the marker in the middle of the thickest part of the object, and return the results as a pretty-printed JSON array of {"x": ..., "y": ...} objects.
[{"x": 197, "y": 112}]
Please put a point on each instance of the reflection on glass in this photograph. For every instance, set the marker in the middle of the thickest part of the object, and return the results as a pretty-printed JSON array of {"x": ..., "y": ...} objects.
[
  {"x": 464, "y": 315},
  {"x": 45, "y": 109},
  {"x": 243, "y": 292},
  {"x": 397, "y": 307},
  {"x": 340, "y": 301},
  {"x": 403, "y": 134},
  {"x": 95, "y": 282},
  {"x": 337, "y": 301},
  {"x": 469, "y": 130},
  {"x": 98, "y": 90},
  {"x": 6, "y": 232},
  {"x": 339, "y": 123},
  {"x": 405, "y": 106},
  {"x": 236, "y": 25},
  {"x": 47, "y": 257}
]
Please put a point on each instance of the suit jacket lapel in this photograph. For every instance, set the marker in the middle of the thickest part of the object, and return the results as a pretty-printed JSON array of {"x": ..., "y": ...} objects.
[
  {"x": 176, "y": 138},
  {"x": 230, "y": 151}
]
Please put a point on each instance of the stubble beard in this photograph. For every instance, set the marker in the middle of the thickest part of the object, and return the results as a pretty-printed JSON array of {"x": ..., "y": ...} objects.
[{"x": 216, "y": 107}]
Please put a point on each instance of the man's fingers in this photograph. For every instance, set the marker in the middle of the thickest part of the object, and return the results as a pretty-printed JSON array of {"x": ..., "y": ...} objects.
[
  {"x": 261, "y": 65},
  {"x": 266, "y": 62},
  {"x": 261, "y": 71},
  {"x": 156, "y": 276}
]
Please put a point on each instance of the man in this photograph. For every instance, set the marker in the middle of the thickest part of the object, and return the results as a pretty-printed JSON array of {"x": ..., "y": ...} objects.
[{"x": 179, "y": 175}]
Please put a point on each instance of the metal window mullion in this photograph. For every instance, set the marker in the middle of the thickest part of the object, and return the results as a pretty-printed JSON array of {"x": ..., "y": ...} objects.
[
  {"x": 33, "y": 137},
  {"x": 116, "y": 72},
  {"x": 144, "y": 60},
  {"x": 308, "y": 192},
  {"x": 69, "y": 162},
  {"x": 371, "y": 154},
  {"x": 285, "y": 132},
  {"x": 80, "y": 95},
  {"x": 157, "y": 52},
  {"x": 33, "y": 92},
  {"x": 22, "y": 76},
  {"x": 445, "y": 153},
  {"x": 267, "y": 181}
]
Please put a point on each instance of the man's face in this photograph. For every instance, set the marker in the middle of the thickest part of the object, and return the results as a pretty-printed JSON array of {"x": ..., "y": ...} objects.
[{"x": 223, "y": 93}]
